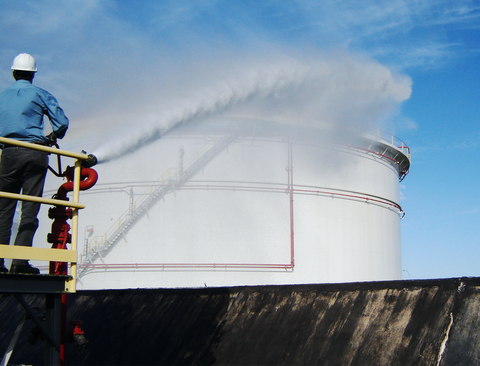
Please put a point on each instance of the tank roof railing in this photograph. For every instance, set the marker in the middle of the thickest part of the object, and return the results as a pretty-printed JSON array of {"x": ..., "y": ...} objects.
[
  {"x": 50, "y": 254},
  {"x": 391, "y": 140}
]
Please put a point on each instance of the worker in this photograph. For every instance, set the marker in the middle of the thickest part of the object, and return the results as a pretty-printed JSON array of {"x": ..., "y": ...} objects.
[{"x": 22, "y": 107}]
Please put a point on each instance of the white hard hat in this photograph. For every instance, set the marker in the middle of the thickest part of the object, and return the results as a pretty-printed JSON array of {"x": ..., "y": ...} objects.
[{"x": 24, "y": 62}]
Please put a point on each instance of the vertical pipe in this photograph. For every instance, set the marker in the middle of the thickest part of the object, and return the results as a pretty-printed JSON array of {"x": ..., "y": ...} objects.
[
  {"x": 63, "y": 327},
  {"x": 180, "y": 162},
  {"x": 131, "y": 205},
  {"x": 62, "y": 301},
  {"x": 290, "y": 189}
]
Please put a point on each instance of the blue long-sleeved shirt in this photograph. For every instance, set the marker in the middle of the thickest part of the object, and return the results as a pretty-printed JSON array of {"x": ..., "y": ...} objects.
[{"x": 22, "y": 107}]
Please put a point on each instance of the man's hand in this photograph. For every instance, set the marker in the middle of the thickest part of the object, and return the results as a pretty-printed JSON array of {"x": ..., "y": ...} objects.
[{"x": 52, "y": 140}]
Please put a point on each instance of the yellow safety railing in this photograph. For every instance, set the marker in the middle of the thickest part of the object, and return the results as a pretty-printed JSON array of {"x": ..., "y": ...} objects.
[{"x": 50, "y": 254}]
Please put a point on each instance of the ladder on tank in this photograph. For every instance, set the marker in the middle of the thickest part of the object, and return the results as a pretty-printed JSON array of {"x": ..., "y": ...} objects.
[{"x": 101, "y": 247}]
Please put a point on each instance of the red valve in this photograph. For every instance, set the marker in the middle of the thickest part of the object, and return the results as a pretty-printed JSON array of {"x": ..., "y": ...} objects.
[
  {"x": 60, "y": 235},
  {"x": 78, "y": 335}
]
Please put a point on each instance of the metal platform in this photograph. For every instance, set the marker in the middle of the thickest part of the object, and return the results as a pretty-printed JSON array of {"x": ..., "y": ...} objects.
[
  {"x": 20, "y": 283},
  {"x": 53, "y": 287}
]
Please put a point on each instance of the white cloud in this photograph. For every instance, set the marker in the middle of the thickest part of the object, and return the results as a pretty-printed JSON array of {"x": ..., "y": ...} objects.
[
  {"x": 408, "y": 33},
  {"x": 48, "y": 17}
]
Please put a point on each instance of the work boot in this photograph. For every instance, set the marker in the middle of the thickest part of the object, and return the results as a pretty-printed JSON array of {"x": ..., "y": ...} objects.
[{"x": 23, "y": 267}]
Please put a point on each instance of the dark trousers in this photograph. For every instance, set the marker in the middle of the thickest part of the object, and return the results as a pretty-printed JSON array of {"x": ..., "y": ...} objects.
[{"x": 21, "y": 170}]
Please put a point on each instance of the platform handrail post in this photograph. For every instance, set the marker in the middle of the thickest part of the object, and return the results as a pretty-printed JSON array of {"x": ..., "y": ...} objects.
[{"x": 76, "y": 193}]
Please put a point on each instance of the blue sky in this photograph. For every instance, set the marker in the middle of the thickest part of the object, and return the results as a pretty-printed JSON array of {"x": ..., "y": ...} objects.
[{"x": 97, "y": 57}]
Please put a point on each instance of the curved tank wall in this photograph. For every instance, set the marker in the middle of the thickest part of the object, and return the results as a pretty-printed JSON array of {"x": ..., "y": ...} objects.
[{"x": 244, "y": 204}]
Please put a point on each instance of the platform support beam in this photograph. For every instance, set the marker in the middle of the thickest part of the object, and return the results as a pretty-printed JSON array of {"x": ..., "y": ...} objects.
[{"x": 53, "y": 319}]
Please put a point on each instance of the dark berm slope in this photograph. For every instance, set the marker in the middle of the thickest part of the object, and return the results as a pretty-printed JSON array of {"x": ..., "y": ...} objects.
[{"x": 377, "y": 323}]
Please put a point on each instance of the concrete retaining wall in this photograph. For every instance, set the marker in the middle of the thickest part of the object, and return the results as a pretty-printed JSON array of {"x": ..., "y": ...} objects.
[{"x": 378, "y": 323}]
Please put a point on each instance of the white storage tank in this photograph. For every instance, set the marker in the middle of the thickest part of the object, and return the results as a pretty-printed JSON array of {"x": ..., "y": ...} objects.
[{"x": 245, "y": 202}]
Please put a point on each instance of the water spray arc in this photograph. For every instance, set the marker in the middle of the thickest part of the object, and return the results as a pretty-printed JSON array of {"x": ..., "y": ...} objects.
[
  {"x": 221, "y": 97},
  {"x": 339, "y": 91}
]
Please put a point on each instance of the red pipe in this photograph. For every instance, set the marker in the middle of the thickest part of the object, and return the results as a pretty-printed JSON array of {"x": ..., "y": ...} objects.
[
  {"x": 89, "y": 178},
  {"x": 60, "y": 236},
  {"x": 189, "y": 265},
  {"x": 290, "y": 188}
]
